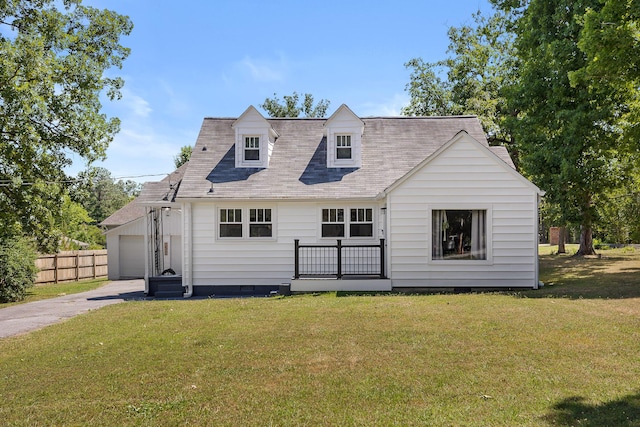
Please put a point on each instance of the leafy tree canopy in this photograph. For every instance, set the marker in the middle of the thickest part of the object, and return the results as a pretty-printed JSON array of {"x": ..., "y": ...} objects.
[
  {"x": 567, "y": 132},
  {"x": 293, "y": 107},
  {"x": 53, "y": 57},
  {"x": 183, "y": 156},
  {"x": 100, "y": 194},
  {"x": 471, "y": 79}
]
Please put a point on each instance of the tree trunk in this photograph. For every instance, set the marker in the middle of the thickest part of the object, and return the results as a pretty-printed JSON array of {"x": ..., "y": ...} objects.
[
  {"x": 561, "y": 240},
  {"x": 586, "y": 241}
]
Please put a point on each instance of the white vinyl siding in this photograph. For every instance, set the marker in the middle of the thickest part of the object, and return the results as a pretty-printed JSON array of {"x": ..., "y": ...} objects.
[
  {"x": 258, "y": 261},
  {"x": 463, "y": 176}
]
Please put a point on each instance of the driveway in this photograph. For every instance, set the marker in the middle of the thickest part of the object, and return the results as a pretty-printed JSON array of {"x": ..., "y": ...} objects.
[{"x": 22, "y": 318}]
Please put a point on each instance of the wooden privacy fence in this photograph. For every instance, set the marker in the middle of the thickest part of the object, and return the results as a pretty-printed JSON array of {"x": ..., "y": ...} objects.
[{"x": 69, "y": 266}]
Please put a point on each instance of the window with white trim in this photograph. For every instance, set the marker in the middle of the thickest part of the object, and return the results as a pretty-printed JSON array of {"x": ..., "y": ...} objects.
[
  {"x": 252, "y": 148},
  {"x": 260, "y": 224},
  {"x": 347, "y": 222},
  {"x": 230, "y": 222},
  {"x": 361, "y": 222},
  {"x": 459, "y": 234},
  {"x": 343, "y": 147},
  {"x": 333, "y": 222}
]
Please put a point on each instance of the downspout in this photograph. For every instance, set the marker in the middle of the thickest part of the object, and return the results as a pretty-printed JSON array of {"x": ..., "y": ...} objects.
[
  {"x": 146, "y": 250},
  {"x": 186, "y": 250},
  {"x": 537, "y": 284}
]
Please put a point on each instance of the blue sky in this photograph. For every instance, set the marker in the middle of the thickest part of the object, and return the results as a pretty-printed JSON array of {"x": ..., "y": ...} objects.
[{"x": 196, "y": 59}]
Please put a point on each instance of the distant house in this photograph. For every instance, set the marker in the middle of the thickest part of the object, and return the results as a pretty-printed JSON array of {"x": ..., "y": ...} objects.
[{"x": 344, "y": 203}]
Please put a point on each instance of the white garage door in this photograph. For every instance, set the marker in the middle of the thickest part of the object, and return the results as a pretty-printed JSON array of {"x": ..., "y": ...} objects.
[{"x": 131, "y": 257}]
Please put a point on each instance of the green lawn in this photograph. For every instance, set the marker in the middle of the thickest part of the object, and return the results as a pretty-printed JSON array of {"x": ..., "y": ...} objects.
[
  {"x": 568, "y": 354},
  {"x": 52, "y": 290}
]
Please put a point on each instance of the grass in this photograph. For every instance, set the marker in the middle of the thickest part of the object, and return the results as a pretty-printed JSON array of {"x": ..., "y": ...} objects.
[
  {"x": 52, "y": 290},
  {"x": 565, "y": 355}
]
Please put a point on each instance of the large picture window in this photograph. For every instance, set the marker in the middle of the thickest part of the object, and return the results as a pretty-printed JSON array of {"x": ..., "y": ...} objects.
[{"x": 459, "y": 234}]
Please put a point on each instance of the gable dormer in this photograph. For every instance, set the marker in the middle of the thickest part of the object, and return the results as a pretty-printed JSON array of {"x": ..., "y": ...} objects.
[
  {"x": 254, "y": 138},
  {"x": 344, "y": 139}
]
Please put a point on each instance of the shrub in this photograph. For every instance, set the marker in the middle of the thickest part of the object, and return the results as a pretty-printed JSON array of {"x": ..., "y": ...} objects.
[{"x": 17, "y": 267}]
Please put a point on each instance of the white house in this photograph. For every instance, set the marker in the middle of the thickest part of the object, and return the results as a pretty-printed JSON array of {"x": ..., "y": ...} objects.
[{"x": 411, "y": 202}]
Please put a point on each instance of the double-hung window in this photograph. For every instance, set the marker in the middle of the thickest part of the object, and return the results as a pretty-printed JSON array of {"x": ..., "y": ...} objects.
[
  {"x": 230, "y": 222},
  {"x": 251, "y": 148},
  {"x": 332, "y": 222},
  {"x": 459, "y": 234},
  {"x": 361, "y": 224},
  {"x": 260, "y": 224},
  {"x": 343, "y": 147},
  {"x": 245, "y": 223},
  {"x": 335, "y": 222}
]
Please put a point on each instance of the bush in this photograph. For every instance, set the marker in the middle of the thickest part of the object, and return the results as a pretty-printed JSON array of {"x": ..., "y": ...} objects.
[{"x": 17, "y": 268}]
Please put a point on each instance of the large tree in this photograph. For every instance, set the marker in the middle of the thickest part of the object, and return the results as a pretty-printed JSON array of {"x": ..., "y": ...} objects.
[
  {"x": 53, "y": 58},
  {"x": 610, "y": 38},
  {"x": 479, "y": 65},
  {"x": 101, "y": 194},
  {"x": 293, "y": 107},
  {"x": 566, "y": 131}
]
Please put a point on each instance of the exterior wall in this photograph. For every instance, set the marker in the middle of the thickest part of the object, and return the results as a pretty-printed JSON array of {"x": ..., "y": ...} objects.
[
  {"x": 133, "y": 228},
  {"x": 120, "y": 238},
  {"x": 463, "y": 176},
  {"x": 253, "y": 262}
]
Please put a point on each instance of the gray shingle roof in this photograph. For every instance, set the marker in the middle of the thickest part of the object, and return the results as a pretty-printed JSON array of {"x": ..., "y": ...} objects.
[
  {"x": 391, "y": 147},
  {"x": 151, "y": 192}
]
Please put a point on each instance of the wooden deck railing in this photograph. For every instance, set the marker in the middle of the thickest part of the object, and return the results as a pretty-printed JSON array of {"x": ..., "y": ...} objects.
[{"x": 339, "y": 260}]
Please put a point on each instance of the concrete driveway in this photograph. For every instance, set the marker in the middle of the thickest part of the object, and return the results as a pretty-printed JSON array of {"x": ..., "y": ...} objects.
[{"x": 22, "y": 318}]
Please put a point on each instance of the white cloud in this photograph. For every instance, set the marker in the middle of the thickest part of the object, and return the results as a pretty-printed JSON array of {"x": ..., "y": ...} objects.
[
  {"x": 390, "y": 107},
  {"x": 264, "y": 70},
  {"x": 135, "y": 104}
]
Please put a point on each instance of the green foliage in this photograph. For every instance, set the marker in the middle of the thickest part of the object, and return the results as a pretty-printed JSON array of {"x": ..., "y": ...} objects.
[
  {"x": 100, "y": 194},
  {"x": 481, "y": 63},
  {"x": 76, "y": 224},
  {"x": 610, "y": 40},
  {"x": 184, "y": 156},
  {"x": 292, "y": 106},
  {"x": 17, "y": 267},
  {"x": 53, "y": 56},
  {"x": 566, "y": 132},
  {"x": 430, "y": 95}
]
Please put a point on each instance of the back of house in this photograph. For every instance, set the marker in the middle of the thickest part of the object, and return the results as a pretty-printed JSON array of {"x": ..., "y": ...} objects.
[{"x": 347, "y": 203}]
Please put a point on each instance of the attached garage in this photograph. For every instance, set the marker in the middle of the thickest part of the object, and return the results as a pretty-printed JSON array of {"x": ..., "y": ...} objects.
[
  {"x": 131, "y": 257},
  {"x": 126, "y": 230}
]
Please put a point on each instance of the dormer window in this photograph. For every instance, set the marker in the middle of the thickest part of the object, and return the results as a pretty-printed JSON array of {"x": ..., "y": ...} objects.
[
  {"x": 343, "y": 147},
  {"x": 254, "y": 139},
  {"x": 344, "y": 139},
  {"x": 252, "y": 148}
]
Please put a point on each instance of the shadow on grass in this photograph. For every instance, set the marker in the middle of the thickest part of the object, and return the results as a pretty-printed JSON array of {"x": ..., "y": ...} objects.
[
  {"x": 575, "y": 411},
  {"x": 608, "y": 277}
]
